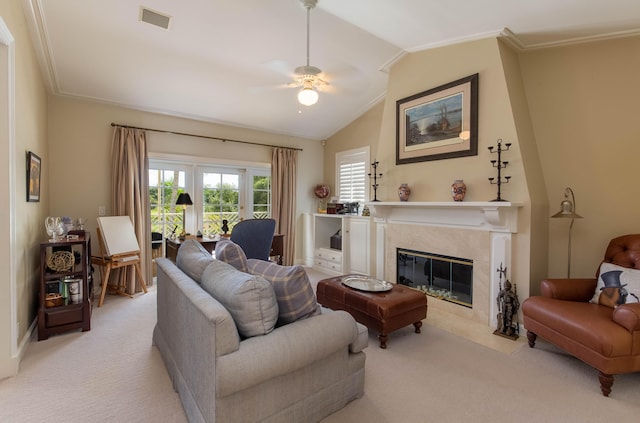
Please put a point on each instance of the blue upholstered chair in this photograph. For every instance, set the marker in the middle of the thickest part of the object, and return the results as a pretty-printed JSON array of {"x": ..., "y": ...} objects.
[{"x": 254, "y": 236}]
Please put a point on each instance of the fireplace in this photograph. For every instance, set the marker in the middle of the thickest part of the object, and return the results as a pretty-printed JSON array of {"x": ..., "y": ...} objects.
[
  {"x": 440, "y": 276},
  {"x": 476, "y": 237}
]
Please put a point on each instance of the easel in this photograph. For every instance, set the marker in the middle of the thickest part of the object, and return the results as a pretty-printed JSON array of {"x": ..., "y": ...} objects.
[{"x": 116, "y": 261}]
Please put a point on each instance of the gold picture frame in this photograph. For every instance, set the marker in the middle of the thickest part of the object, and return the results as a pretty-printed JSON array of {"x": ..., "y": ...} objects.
[{"x": 440, "y": 123}]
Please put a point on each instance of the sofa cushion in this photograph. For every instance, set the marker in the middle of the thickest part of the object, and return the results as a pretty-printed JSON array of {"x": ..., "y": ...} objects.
[
  {"x": 617, "y": 285},
  {"x": 296, "y": 299},
  {"x": 231, "y": 253},
  {"x": 249, "y": 299},
  {"x": 192, "y": 259}
]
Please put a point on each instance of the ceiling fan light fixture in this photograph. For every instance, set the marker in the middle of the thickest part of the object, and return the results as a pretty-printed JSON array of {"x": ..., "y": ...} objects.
[{"x": 308, "y": 96}]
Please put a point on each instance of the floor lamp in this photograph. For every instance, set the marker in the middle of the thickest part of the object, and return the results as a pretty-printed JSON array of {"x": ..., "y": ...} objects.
[
  {"x": 567, "y": 211},
  {"x": 184, "y": 200}
]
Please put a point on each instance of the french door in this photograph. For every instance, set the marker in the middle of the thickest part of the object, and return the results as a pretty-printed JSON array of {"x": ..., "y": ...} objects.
[{"x": 218, "y": 193}]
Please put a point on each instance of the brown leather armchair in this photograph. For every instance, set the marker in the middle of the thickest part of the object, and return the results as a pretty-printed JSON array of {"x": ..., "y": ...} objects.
[{"x": 606, "y": 338}]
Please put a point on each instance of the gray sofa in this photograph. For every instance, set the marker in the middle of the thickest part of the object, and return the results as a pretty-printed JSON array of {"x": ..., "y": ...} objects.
[{"x": 300, "y": 371}]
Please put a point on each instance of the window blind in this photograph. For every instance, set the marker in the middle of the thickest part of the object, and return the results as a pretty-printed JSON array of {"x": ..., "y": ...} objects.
[{"x": 352, "y": 177}]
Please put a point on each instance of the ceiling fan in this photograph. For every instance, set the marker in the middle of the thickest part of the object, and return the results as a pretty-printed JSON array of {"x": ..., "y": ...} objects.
[
  {"x": 310, "y": 80},
  {"x": 308, "y": 77}
]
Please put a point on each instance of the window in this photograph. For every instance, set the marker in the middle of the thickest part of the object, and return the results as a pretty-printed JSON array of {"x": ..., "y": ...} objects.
[
  {"x": 261, "y": 185},
  {"x": 351, "y": 178},
  {"x": 230, "y": 193},
  {"x": 220, "y": 199},
  {"x": 165, "y": 184}
]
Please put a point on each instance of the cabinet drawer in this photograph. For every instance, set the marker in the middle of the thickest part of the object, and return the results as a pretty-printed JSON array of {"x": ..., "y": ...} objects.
[
  {"x": 334, "y": 266},
  {"x": 329, "y": 255},
  {"x": 318, "y": 262},
  {"x": 70, "y": 314},
  {"x": 328, "y": 265}
]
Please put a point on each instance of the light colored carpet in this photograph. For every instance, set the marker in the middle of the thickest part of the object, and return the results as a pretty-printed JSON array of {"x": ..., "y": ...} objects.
[{"x": 112, "y": 373}]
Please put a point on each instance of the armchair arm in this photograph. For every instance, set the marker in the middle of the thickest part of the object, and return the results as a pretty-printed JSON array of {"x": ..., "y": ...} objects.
[
  {"x": 628, "y": 316},
  {"x": 568, "y": 289}
]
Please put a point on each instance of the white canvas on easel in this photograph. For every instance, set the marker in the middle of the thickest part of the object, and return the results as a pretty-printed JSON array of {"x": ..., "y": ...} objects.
[
  {"x": 118, "y": 235},
  {"x": 118, "y": 248}
]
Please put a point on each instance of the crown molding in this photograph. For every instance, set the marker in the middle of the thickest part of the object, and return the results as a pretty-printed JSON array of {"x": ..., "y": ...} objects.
[{"x": 37, "y": 27}]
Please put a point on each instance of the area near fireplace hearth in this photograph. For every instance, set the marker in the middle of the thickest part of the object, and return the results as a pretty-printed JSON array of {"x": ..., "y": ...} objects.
[{"x": 478, "y": 233}]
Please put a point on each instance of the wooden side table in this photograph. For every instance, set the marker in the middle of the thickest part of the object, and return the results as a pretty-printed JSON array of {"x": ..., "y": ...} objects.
[{"x": 172, "y": 246}]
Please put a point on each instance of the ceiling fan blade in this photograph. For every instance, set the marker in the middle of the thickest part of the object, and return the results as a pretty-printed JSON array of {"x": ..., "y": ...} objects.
[
  {"x": 279, "y": 66},
  {"x": 268, "y": 88}
]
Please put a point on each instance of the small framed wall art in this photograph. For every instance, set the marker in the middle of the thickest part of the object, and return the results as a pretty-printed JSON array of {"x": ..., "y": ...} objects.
[
  {"x": 440, "y": 123},
  {"x": 34, "y": 171}
]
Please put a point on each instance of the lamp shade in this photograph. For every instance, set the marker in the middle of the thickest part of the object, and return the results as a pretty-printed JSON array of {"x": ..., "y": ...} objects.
[
  {"x": 184, "y": 199},
  {"x": 308, "y": 96},
  {"x": 566, "y": 210},
  {"x": 567, "y": 207}
]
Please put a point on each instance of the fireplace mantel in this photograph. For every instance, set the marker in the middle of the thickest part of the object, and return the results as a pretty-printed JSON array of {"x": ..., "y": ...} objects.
[{"x": 490, "y": 216}]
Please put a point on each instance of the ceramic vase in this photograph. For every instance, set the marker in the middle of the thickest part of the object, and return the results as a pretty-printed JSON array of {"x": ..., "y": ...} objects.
[
  {"x": 404, "y": 192},
  {"x": 458, "y": 190}
]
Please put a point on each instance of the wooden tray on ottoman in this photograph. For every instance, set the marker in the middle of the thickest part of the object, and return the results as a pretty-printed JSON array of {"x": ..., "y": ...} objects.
[{"x": 383, "y": 311}]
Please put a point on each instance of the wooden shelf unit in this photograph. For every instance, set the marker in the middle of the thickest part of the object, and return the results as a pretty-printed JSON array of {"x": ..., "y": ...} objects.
[{"x": 67, "y": 316}]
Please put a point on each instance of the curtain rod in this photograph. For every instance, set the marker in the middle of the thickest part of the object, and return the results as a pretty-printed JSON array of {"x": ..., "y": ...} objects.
[{"x": 204, "y": 136}]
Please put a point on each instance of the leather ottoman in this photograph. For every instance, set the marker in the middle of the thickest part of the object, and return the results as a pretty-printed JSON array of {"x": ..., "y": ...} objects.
[{"x": 382, "y": 312}]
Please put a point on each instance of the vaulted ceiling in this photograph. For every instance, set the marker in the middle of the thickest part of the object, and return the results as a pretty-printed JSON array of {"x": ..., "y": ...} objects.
[{"x": 232, "y": 61}]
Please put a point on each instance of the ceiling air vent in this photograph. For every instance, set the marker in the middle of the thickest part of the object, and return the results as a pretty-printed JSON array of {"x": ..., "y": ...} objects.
[{"x": 154, "y": 18}]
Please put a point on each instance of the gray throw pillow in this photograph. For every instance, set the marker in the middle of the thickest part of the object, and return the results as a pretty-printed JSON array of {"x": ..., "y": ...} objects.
[
  {"x": 231, "y": 253},
  {"x": 296, "y": 299},
  {"x": 250, "y": 299},
  {"x": 193, "y": 258}
]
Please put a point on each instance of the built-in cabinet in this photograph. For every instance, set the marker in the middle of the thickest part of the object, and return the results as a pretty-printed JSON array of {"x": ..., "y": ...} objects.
[{"x": 355, "y": 253}]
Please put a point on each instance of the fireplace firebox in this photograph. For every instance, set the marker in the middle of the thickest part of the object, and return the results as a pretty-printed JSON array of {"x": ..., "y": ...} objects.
[{"x": 445, "y": 277}]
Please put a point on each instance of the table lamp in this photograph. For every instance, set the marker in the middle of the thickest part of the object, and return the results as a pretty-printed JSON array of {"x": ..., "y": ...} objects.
[
  {"x": 567, "y": 210},
  {"x": 184, "y": 200}
]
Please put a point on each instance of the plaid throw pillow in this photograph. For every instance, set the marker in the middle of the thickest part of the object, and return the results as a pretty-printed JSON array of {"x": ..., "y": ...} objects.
[
  {"x": 231, "y": 253},
  {"x": 295, "y": 296}
]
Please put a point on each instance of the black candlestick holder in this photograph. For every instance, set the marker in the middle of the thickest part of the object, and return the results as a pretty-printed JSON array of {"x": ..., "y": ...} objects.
[
  {"x": 499, "y": 164},
  {"x": 375, "y": 175}
]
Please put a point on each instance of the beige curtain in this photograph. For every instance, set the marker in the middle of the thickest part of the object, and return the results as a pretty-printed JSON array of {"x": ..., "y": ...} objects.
[
  {"x": 130, "y": 195},
  {"x": 284, "y": 164}
]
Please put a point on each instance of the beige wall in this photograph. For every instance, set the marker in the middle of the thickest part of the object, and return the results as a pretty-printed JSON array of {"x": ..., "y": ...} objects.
[
  {"x": 30, "y": 119},
  {"x": 570, "y": 112},
  {"x": 365, "y": 132},
  {"x": 79, "y": 187},
  {"x": 584, "y": 109},
  {"x": 431, "y": 181}
]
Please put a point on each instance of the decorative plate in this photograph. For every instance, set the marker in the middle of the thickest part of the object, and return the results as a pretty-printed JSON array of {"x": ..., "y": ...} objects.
[{"x": 367, "y": 283}]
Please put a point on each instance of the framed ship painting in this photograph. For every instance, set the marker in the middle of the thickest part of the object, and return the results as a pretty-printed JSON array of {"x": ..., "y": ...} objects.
[{"x": 440, "y": 123}]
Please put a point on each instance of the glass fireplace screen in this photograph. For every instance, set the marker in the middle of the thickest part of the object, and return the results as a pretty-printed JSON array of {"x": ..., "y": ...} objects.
[{"x": 449, "y": 278}]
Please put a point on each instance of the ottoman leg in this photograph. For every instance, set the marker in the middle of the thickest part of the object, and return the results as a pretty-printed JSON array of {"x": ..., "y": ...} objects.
[
  {"x": 418, "y": 325},
  {"x": 383, "y": 340}
]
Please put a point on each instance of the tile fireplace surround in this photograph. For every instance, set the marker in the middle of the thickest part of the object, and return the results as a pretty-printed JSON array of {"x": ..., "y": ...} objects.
[{"x": 480, "y": 231}]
